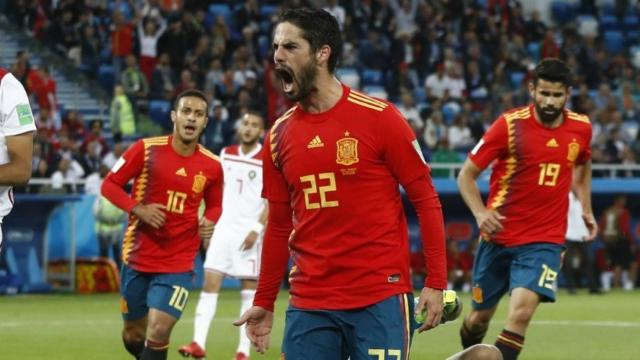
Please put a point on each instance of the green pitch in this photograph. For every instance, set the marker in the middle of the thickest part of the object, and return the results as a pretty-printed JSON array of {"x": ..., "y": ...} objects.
[{"x": 66, "y": 327}]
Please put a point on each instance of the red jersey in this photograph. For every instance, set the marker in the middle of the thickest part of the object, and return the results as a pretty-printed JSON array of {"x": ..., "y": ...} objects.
[
  {"x": 532, "y": 174},
  {"x": 180, "y": 183},
  {"x": 340, "y": 170}
]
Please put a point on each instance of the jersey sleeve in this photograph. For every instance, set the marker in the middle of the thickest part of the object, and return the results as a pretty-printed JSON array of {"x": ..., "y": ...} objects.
[
  {"x": 585, "y": 154},
  {"x": 493, "y": 144},
  {"x": 18, "y": 118},
  {"x": 213, "y": 196},
  {"x": 274, "y": 187},
  {"x": 401, "y": 150},
  {"x": 125, "y": 169}
]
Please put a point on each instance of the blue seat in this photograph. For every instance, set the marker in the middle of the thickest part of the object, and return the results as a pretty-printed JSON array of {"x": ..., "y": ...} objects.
[
  {"x": 349, "y": 76},
  {"x": 375, "y": 91},
  {"x": 420, "y": 94},
  {"x": 224, "y": 10},
  {"x": 159, "y": 112},
  {"x": 614, "y": 42},
  {"x": 562, "y": 12},
  {"x": 263, "y": 45},
  {"x": 267, "y": 10},
  {"x": 516, "y": 78},
  {"x": 630, "y": 23},
  {"x": 22, "y": 262},
  {"x": 372, "y": 77},
  {"x": 106, "y": 77},
  {"x": 607, "y": 8},
  {"x": 609, "y": 23},
  {"x": 533, "y": 48}
]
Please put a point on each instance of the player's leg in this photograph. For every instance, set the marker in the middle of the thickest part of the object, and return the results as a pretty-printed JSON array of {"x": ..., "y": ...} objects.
[
  {"x": 167, "y": 298},
  {"x": 312, "y": 335},
  {"x": 534, "y": 274},
  {"x": 478, "y": 352},
  {"x": 490, "y": 282},
  {"x": 379, "y": 331},
  {"x": 245, "y": 267},
  {"x": 216, "y": 264},
  {"x": 133, "y": 306},
  {"x": 247, "y": 294},
  {"x": 570, "y": 256}
]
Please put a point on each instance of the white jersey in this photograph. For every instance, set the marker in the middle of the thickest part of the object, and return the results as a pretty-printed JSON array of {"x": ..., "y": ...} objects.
[
  {"x": 576, "y": 228},
  {"x": 242, "y": 203},
  {"x": 15, "y": 118}
]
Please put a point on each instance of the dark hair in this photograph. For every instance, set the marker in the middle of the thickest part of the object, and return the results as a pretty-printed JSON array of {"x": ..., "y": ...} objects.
[
  {"x": 319, "y": 28},
  {"x": 258, "y": 114},
  {"x": 553, "y": 70},
  {"x": 191, "y": 93}
]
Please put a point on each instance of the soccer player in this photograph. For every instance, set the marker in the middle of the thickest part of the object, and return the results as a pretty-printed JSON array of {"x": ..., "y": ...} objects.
[
  {"x": 235, "y": 245},
  {"x": 332, "y": 169},
  {"x": 539, "y": 151},
  {"x": 16, "y": 140},
  {"x": 172, "y": 175}
]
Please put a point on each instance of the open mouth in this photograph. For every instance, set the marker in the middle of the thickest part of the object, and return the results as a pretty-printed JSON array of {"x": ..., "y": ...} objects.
[
  {"x": 286, "y": 76},
  {"x": 189, "y": 129}
]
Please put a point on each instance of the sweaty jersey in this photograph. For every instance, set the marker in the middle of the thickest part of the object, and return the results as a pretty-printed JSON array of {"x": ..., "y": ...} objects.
[
  {"x": 340, "y": 170},
  {"x": 180, "y": 183},
  {"x": 241, "y": 202},
  {"x": 532, "y": 173},
  {"x": 15, "y": 119}
]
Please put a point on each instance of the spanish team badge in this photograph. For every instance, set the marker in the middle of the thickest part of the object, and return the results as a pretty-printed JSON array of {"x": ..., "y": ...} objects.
[
  {"x": 198, "y": 183},
  {"x": 574, "y": 150},
  {"x": 347, "y": 150}
]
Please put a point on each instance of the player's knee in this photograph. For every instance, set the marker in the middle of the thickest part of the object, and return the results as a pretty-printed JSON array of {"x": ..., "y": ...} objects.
[
  {"x": 477, "y": 320},
  {"x": 133, "y": 333},
  {"x": 159, "y": 331},
  {"x": 521, "y": 315},
  {"x": 485, "y": 352}
]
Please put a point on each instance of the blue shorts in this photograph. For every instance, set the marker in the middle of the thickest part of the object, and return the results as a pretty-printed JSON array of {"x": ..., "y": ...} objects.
[
  {"x": 379, "y": 331},
  {"x": 167, "y": 292},
  {"x": 498, "y": 270}
]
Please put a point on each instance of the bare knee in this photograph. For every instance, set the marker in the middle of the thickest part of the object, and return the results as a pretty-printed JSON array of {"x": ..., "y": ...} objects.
[
  {"x": 133, "y": 332},
  {"x": 159, "y": 331},
  {"x": 478, "y": 320},
  {"x": 521, "y": 315}
]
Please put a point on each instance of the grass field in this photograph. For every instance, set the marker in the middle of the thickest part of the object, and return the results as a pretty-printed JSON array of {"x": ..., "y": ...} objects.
[{"x": 62, "y": 327}]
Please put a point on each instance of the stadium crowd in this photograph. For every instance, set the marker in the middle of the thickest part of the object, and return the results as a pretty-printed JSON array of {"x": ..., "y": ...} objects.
[{"x": 450, "y": 66}]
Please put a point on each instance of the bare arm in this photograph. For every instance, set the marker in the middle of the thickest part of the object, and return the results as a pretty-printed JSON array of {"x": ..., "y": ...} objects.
[
  {"x": 489, "y": 221},
  {"x": 254, "y": 234},
  {"x": 18, "y": 170},
  {"x": 582, "y": 188}
]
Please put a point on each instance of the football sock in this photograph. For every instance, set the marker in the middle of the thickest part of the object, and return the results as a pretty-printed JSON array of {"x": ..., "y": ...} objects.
[
  {"x": 246, "y": 297},
  {"x": 510, "y": 344},
  {"x": 205, "y": 312},
  {"x": 469, "y": 336},
  {"x": 134, "y": 347},
  {"x": 154, "y": 350}
]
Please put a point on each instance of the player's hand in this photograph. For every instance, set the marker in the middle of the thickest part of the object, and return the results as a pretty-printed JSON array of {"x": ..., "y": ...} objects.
[
  {"x": 249, "y": 241},
  {"x": 259, "y": 323},
  {"x": 490, "y": 221},
  {"x": 150, "y": 214},
  {"x": 432, "y": 299},
  {"x": 205, "y": 228},
  {"x": 592, "y": 226}
]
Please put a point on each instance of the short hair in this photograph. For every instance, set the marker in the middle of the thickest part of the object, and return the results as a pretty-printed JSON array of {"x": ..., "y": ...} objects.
[
  {"x": 191, "y": 93},
  {"x": 257, "y": 114},
  {"x": 553, "y": 70},
  {"x": 319, "y": 28}
]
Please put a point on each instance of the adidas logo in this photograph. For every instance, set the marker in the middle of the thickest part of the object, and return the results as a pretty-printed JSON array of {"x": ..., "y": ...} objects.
[
  {"x": 181, "y": 172},
  {"x": 552, "y": 143},
  {"x": 315, "y": 143}
]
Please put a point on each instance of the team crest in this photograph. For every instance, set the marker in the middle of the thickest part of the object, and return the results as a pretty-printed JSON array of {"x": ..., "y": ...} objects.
[
  {"x": 347, "y": 150},
  {"x": 198, "y": 183},
  {"x": 574, "y": 150},
  {"x": 252, "y": 174}
]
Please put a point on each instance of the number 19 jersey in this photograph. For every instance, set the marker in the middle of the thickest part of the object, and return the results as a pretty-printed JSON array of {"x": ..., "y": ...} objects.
[
  {"x": 340, "y": 170},
  {"x": 532, "y": 173}
]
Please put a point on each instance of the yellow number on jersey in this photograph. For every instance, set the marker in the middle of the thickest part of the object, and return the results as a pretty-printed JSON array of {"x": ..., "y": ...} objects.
[
  {"x": 313, "y": 188},
  {"x": 380, "y": 353},
  {"x": 175, "y": 201},
  {"x": 179, "y": 297},
  {"x": 548, "y": 174}
]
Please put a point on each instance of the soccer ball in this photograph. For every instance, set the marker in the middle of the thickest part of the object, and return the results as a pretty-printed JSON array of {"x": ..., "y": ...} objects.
[{"x": 452, "y": 307}]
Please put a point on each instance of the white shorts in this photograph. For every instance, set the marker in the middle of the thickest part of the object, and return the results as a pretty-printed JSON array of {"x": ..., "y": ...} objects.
[{"x": 224, "y": 255}]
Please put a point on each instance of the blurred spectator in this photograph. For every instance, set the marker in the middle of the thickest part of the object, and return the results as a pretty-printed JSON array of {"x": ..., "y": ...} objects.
[
  {"x": 90, "y": 47},
  {"x": 68, "y": 170},
  {"x": 134, "y": 82},
  {"x": 121, "y": 41},
  {"x": 123, "y": 121},
  {"x": 73, "y": 124},
  {"x": 337, "y": 11},
  {"x": 437, "y": 84},
  {"x": 95, "y": 136},
  {"x": 374, "y": 51},
  {"x": 162, "y": 83},
  {"x": 459, "y": 134},
  {"x": 21, "y": 68},
  {"x": 220, "y": 131},
  {"x": 615, "y": 230},
  {"x": 109, "y": 160},
  {"x": 535, "y": 29},
  {"x": 408, "y": 108},
  {"x": 149, "y": 31},
  {"x": 174, "y": 42},
  {"x": 434, "y": 129},
  {"x": 90, "y": 160}
]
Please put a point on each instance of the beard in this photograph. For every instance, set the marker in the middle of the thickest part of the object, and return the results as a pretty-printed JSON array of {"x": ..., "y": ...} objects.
[
  {"x": 547, "y": 114},
  {"x": 304, "y": 81}
]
